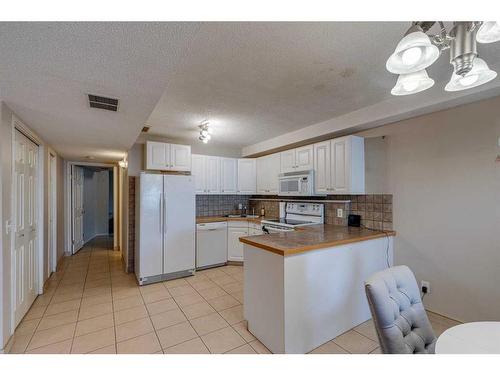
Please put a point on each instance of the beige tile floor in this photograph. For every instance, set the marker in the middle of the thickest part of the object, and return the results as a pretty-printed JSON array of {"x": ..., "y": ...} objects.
[{"x": 91, "y": 306}]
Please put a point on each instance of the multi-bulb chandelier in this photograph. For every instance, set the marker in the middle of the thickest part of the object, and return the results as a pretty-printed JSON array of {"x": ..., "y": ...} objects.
[
  {"x": 416, "y": 51},
  {"x": 205, "y": 132}
]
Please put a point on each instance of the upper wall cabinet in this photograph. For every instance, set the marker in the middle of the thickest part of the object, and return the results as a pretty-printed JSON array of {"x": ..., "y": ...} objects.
[
  {"x": 229, "y": 176},
  {"x": 167, "y": 157},
  {"x": 247, "y": 176},
  {"x": 268, "y": 170},
  {"x": 297, "y": 159},
  {"x": 339, "y": 166}
]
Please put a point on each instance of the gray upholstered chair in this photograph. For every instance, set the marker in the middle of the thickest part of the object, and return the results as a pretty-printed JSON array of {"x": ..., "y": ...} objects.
[{"x": 398, "y": 314}]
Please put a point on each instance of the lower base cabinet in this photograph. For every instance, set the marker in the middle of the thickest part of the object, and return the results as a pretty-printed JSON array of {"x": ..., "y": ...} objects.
[{"x": 234, "y": 246}]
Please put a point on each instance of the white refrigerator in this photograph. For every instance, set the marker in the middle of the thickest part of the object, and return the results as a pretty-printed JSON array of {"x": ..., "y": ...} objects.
[{"x": 165, "y": 227}]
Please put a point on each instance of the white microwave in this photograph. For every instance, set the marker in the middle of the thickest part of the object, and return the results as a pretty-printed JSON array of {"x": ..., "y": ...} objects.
[{"x": 296, "y": 183}]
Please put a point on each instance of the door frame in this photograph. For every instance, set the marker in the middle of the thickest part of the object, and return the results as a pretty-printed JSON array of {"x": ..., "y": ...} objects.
[
  {"x": 52, "y": 208},
  {"x": 18, "y": 125},
  {"x": 68, "y": 200}
]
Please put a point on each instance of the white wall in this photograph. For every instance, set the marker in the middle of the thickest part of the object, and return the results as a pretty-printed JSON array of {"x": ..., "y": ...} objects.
[
  {"x": 95, "y": 203},
  {"x": 6, "y": 214},
  {"x": 445, "y": 183}
]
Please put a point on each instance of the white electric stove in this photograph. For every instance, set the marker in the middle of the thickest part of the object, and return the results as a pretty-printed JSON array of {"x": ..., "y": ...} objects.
[{"x": 293, "y": 215}]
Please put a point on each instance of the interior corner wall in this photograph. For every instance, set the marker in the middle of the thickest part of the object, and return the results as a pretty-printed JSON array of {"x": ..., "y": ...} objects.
[
  {"x": 61, "y": 231},
  {"x": 441, "y": 170}
]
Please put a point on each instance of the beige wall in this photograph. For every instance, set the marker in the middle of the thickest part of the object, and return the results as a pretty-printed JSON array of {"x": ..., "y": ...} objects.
[
  {"x": 445, "y": 183},
  {"x": 6, "y": 214}
]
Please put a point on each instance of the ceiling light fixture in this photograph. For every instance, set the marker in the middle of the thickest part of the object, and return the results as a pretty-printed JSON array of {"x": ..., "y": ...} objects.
[
  {"x": 417, "y": 51},
  {"x": 412, "y": 83},
  {"x": 488, "y": 32},
  {"x": 205, "y": 132},
  {"x": 479, "y": 74}
]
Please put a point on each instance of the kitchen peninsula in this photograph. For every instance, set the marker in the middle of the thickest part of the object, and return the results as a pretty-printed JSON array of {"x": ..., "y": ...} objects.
[{"x": 305, "y": 287}]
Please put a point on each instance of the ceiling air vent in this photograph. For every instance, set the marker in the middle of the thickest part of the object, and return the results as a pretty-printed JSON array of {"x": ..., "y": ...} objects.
[{"x": 102, "y": 102}]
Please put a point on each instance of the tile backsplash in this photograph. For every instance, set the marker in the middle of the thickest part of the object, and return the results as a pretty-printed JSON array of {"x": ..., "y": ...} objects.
[{"x": 220, "y": 205}]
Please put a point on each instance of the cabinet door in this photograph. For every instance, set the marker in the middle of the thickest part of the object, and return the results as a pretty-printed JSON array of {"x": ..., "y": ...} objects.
[
  {"x": 273, "y": 168},
  {"x": 340, "y": 164},
  {"x": 304, "y": 158},
  {"x": 229, "y": 175},
  {"x": 213, "y": 174},
  {"x": 262, "y": 175},
  {"x": 234, "y": 246},
  {"x": 246, "y": 176},
  {"x": 180, "y": 157},
  {"x": 157, "y": 155},
  {"x": 322, "y": 180},
  {"x": 287, "y": 161},
  {"x": 199, "y": 171}
]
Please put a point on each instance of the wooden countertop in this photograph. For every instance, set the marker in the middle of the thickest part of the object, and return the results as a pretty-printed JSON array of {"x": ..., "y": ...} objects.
[
  {"x": 214, "y": 219},
  {"x": 312, "y": 238}
]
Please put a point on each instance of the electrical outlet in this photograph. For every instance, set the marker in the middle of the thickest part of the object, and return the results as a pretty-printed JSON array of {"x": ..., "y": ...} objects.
[
  {"x": 427, "y": 285},
  {"x": 340, "y": 212}
]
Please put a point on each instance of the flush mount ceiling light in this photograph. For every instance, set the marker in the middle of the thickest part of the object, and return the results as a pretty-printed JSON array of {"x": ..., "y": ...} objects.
[
  {"x": 417, "y": 50},
  {"x": 205, "y": 132}
]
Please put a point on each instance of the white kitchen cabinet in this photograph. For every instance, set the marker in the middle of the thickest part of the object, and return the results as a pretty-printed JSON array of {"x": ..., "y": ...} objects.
[
  {"x": 157, "y": 155},
  {"x": 304, "y": 159},
  {"x": 198, "y": 170},
  {"x": 167, "y": 157},
  {"x": 229, "y": 175},
  {"x": 268, "y": 170},
  {"x": 180, "y": 157},
  {"x": 287, "y": 161},
  {"x": 213, "y": 175},
  {"x": 297, "y": 159},
  {"x": 247, "y": 176},
  {"x": 322, "y": 166},
  {"x": 234, "y": 246},
  {"x": 339, "y": 166}
]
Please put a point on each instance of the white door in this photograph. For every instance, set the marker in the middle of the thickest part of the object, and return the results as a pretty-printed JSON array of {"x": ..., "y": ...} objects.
[
  {"x": 78, "y": 209},
  {"x": 198, "y": 170},
  {"x": 234, "y": 246},
  {"x": 246, "y": 176},
  {"x": 180, "y": 157},
  {"x": 25, "y": 256},
  {"x": 229, "y": 175},
  {"x": 304, "y": 158},
  {"x": 322, "y": 181},
  {"x": 157, "y": 155},
  {"x": 179, "y": 224},
  {"x": 52, "y": 232},
  {"x": 288, "y": 161},
  {"x": 213, "y": 175},
  {"x": 340, "y": 161}
]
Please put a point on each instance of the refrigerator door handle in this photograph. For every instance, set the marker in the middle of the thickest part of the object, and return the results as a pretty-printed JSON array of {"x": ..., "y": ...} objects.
[
  {"x": 161, "y": 213},
  {"x": 164, "y": 213}
]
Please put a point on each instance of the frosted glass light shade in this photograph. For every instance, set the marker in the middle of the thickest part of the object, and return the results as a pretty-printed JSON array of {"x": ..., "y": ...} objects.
[
  {"x": 412, "y": 83},
  {"x": 413, "y": 53},
  {"x": 489, "y": 32},
  {"x": 479, "y": 75}
]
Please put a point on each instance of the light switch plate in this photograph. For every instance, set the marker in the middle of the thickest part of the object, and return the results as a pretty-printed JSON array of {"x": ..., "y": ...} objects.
[{"x": 340, "y": 212}]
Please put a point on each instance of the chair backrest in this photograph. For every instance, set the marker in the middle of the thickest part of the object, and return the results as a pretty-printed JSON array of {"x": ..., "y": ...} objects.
[{"x": 398, "y": 314}]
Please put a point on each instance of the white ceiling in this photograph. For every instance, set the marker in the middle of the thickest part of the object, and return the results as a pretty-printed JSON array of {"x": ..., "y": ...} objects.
[
  {"x": 263, "y": 80},
  {"x": 257, "y": 80},
  {"x": 46, "y": 70}
]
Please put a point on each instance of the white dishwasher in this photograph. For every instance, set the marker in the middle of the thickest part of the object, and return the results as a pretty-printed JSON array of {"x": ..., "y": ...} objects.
[{"x": 211, "y": 244}]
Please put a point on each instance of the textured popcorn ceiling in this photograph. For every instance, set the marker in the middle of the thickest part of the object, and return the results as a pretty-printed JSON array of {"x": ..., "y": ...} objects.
[{"x": 257, "y": 80}]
